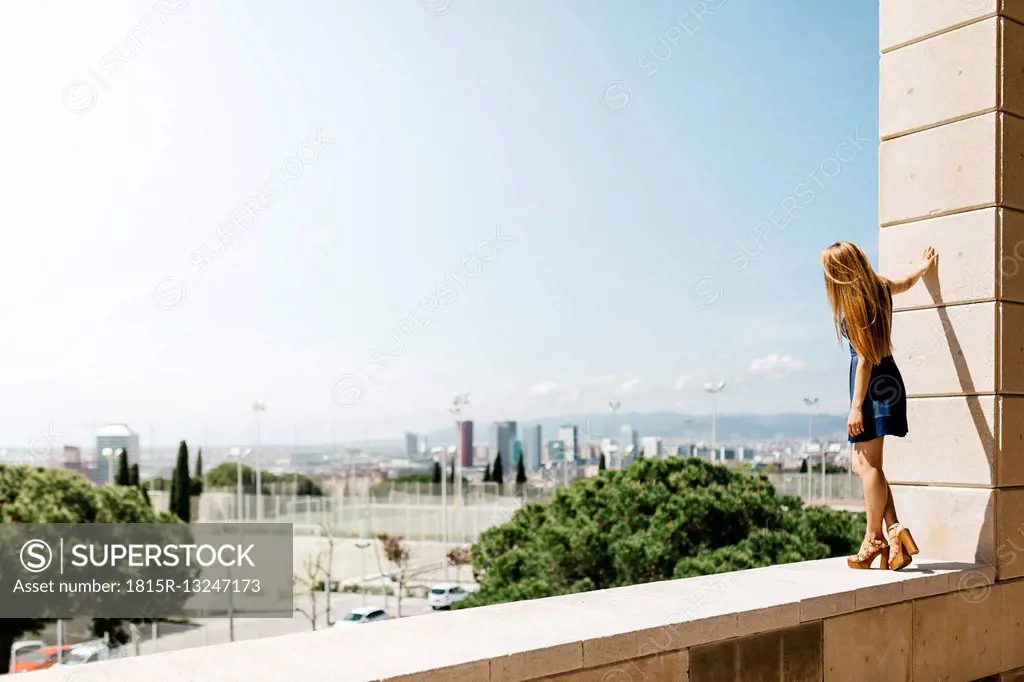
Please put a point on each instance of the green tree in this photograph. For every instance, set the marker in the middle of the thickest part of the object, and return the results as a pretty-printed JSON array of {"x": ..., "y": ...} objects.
[
  {"x": 487, "y": 474},
  {"x": 133, "y": 475},
  {"x": 436, "y": 476},
  {"x": 52, "y": 495},
  {"x": 803, "y": 467},
  {"x": 123, "y": 475},
  {"x": 497, "y": 473},
  {"x": 181, "y": 486},
  {"x": 520, "y": 471},
  {"x": 197, "y": 480},
  {"x": 602, "y": 465},
  {"x": 656, "y": 519},
  {"x": 451, "y": 474},
  {"x": 225, "y": 475}
]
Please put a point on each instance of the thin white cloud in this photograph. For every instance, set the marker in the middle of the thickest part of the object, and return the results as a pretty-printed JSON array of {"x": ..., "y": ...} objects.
[
  {"x": 775, "y": 365},
  {"x": 604, "y": 379},
  {"x": 630, "y": 385},
  {"x": 683, "y": 381},
  {"x": 544, "y": 388}
]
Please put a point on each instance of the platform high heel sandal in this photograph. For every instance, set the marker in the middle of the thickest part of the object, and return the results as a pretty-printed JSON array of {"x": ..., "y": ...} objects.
[
  {"x": 869, "y": 549},
  {"x": 901, "y": 547}
]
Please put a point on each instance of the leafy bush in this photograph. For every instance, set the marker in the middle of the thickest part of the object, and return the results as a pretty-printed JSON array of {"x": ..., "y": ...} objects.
[{"x": 657, "y": 519}]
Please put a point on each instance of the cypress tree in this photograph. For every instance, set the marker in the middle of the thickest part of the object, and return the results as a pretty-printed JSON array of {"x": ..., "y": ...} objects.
[
  {"x": 181, "y": 492},
  {"x": 520, "y": 471},
  {"x": 123, "y": 476},
  {"x": 602, "y": 465},
  {"x": 436, "y": 477},
  {"x": 197, "y": 481},
  {"x": 497, "y": 474},
  {"x": 133, "y": 475},
  {"x": 487, "y": 473}
]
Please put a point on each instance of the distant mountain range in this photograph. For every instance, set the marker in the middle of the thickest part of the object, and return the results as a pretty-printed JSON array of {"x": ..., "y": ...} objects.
[{"x": 731, "y": 427}]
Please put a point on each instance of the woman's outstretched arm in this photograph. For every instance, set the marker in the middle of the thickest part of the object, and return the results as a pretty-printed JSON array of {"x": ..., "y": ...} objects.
[{"x": 928, "y": 261}]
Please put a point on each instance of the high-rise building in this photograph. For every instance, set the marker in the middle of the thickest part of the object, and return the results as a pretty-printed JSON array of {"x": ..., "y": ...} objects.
[
  {"x": 71, "y": 459},
  {"x": 466, "y": 443},
  {"x": 569, "y": 434},
  {"x": 629, "y": 439},
  {"x": 651, "y": 446},
  {"x": 481, "y": 455},
  {"x": 503, "y": 434},
  {"x": 412, "y": 444},
  {"x": 532, "y": 446},
  {"x": 556, "y": 451},
  {"x": 109, "y": 438}
]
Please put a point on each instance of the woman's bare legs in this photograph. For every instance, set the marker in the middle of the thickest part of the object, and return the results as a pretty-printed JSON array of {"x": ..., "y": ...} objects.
[
  {"x": 889, "y": 516},
  {"x": 867, "y": 464}
]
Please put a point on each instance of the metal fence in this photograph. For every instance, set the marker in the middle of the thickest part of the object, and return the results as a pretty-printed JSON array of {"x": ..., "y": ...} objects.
[{"x": 415, "y": 511}]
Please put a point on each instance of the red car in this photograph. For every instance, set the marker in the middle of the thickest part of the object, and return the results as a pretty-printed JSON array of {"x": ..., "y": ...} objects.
[{"x": 40, "y": 659}]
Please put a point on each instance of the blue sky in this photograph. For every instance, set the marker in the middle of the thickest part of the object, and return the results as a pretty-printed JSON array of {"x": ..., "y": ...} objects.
[{"x": 626, "y": 153}]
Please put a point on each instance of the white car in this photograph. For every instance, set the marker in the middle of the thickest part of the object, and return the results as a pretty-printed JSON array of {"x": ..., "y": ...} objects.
[
  {"x": 91, "y": 652},
  {"x": 365, "y": 614},
  {"x": 443, "y": 596}
]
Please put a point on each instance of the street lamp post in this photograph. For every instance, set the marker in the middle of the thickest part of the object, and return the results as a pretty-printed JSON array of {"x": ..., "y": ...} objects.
[
  {"x": 239, "y": 454},
  {"x": 361, "y": 546},
  {"x": 258, "y": 407},
  {"x": 714, "y": 390},
  {"x": 811, "y": 404},
  {"x": 459, "y": 401}
]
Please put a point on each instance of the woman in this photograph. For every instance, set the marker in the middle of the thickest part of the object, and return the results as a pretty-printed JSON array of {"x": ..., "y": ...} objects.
[{"x": 861, "y": 303}]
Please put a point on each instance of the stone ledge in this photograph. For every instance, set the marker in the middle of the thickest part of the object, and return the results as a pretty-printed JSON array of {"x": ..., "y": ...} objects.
[{"x": 547, "y": 637}]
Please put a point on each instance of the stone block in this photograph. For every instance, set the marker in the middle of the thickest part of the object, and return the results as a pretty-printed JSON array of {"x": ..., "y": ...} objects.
[
  {"x": 961, "y": 440},
  {"x": 970, "y": 266},
  {"x": 951, "y": 441},
  {"x": 949, "y": 77},
  {"x": 470, "y": 672},
  {"x": 1009, "y": 533},
  {"x": 948, "y": 350},
  {"x": 538, "y": 663},
  {"x": 965, "y": 525},
  {"x": 874, "y": 644},
  {"x": 953, "y": 168},
  {"x": 949, "y": 524},
  {"x": 1011, "y": 602},
  {"x": 669, "y": 666},
  {"x": 905, "y": 21},
  {"x": 792, "y": 654},
  {"x": 955, "y": 638}
]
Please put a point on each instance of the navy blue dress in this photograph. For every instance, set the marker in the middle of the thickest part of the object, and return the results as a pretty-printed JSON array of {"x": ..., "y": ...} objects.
[{"x": 885, "y": 405}]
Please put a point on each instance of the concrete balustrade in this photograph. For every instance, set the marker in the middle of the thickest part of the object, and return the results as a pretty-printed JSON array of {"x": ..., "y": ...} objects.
[{"x": 816, "y": 620}]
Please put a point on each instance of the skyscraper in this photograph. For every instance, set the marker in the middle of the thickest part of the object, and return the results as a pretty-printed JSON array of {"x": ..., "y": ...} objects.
[
  {"x": 466, "y": 443},
  {"x": 412, "y": 444},
  {"x": 569, "y": 435},
  {"x": 503, "y": 434},
  {"x": 532, "y": 445},
  {"x": 651, "y": 446},
  {"x": 629, "y": 438}
]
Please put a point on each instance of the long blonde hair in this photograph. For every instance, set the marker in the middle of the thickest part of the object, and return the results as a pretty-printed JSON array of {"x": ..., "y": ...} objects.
[{"x": 859, "y": 298}]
